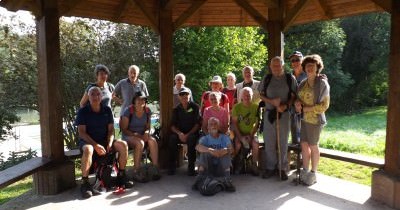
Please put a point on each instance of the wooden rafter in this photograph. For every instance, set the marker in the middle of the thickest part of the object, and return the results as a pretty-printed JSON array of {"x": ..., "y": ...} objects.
[
  {"x": 294, "y": 12},
  {"x": 384, "y": 4},
  {"x": 255, "y": 14},
  {"x": 70, "y": 5},
  {"x": 121, "y": 9},
  {"x": 170, "y": 4},
  {"x": 15, "y": 5},
  {"x": 188, "y": 13},
  {"x": 148, "y": 14},
  {"x": 271, "y": 3},
  {"x": 323, "y": 7}
]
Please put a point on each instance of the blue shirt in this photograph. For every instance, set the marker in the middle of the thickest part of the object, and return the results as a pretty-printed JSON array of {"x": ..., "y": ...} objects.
[
  {"x": 96, "y": 122},
  {"x": 221, "y": 142}
]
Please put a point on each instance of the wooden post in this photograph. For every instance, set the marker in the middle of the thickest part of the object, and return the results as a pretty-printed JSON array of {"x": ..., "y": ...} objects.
[
  {"x": 166, "y": 79},
  {"x": 61, "y": 174},
  {"x": 275, "y": 34},
  {"x": 386, "y": 183}
]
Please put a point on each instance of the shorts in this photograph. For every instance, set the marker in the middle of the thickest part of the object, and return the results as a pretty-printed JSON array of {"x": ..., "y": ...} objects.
[
  {"x": 82, "y": 143},
  {"x": 310, "y": 133}
]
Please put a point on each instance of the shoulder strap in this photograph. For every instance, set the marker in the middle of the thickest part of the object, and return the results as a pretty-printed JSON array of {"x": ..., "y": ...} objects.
[
  {"x": 267, "y": 80},
  {"x": 110, "y": 87}
]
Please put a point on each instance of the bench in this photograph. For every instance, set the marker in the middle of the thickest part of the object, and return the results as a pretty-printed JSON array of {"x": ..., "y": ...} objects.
[
  {"x": 22, "y": 170},
  {"x": 345, "y": 156}
]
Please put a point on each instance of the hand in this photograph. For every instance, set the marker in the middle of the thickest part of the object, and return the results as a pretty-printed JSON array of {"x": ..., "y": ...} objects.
[
  {"x": 183, "y": 137},
  {"x": 276, "y": 102},
  {"x": 99, "y": 149},
  {"x": 298, "y": 106},
  {"x": 281, "y": 108}
]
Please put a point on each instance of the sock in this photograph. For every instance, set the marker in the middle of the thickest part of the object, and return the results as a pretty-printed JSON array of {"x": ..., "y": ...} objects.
[
  {"x": 121, "y": 172},
  {"x": 85, "y": 179}
]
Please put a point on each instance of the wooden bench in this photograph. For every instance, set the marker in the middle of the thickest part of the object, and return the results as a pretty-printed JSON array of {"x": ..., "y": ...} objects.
[
  {"x": 22, "y": 170},
  {"x": 345, "y": 156}
]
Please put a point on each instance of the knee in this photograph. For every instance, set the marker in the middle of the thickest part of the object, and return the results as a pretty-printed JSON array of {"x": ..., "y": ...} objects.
[
  {"x": 87, "y": 150},
  {"x": 121, "y": 146}
]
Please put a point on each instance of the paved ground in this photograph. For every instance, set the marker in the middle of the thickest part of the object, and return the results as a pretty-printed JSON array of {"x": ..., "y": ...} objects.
[{"x": 174, "y": 192}]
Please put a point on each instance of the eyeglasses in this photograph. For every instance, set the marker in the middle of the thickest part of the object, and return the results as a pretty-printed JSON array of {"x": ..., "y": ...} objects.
[{"x": 295, "y": 60}]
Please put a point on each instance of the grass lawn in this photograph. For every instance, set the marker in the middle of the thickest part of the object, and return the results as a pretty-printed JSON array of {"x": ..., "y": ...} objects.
[{"x": 362, "y": 133}]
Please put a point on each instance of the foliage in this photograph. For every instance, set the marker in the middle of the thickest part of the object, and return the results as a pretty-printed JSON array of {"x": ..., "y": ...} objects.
[
  {"x": 201, "y": 53},
  {"x": 326, "y": 39},
  {"x": 16, "y": 158},
  {"x": 365, "y": 57}
]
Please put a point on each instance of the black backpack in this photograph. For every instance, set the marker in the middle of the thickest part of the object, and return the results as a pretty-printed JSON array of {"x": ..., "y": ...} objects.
[
  {"x": 267, "y": 80},
  {"x": 209, "y": 186},
  {"x": 104, "y": 167}
]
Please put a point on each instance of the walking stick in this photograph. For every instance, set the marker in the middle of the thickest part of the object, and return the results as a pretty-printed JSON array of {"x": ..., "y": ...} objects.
[
  {"x": 297, "y": 118},
  {"x": 279, "y": 145}
]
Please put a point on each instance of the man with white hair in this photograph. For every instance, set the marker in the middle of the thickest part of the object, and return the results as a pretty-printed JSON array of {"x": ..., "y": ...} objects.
[
  {"x": 215, "y": 151},
  {"x": 245, "y": 119},
  {"x": 249, "y": 81}
]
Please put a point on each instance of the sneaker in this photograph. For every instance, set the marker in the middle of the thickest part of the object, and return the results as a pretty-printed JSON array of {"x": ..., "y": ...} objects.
[
  {"x": 254, "y": 170},
  {"x": 155, "y": 173},
  {"x": 311, "y": 179},
  {"x": 86, "y": 190},
  {"x": 303, "y": 175},
  {"x": 228, "y": 186},
  {"x": 268, "y": 174},
  {"x": 284, "y": 175},
  {"x": 123, "y": 182}
]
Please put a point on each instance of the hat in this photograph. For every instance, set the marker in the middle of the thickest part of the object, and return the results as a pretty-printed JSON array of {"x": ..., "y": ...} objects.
[
  {"x": 139, "y": 94},
  {"x": 216, "y": 79},
  {"x": 184, "y": 90},
  {"x": 296, "y": 53}
]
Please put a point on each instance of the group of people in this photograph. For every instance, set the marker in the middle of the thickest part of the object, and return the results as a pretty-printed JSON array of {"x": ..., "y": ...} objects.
[{"x": 219, "y": 129}]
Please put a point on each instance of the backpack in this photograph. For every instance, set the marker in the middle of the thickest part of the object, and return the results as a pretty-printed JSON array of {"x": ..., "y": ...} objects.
[
  {"x": 106, "y": 169},
  {"x": 209, "y": 186}
]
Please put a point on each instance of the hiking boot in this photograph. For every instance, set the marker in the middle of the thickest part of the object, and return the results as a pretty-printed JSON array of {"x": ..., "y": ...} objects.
[
  {"x": 303, "y": 175},
  {"x": 155, "y": 173},
  {"x": 254, "y": 170},
  {"x": 86, "y": 190},
  {"x": 284, "y": 175},
  {"x": 228, "y": 186},
  {"x": 139, "y": 176},
  {"x": 310, "y": 179},
  {"x": 268, "y": 174},
  {"x": 123, "y": 182}
]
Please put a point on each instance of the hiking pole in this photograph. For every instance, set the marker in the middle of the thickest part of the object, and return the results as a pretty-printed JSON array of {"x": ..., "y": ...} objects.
[
  {"x": 278, "y": 144},
  {"x": 297, "y": 119}
]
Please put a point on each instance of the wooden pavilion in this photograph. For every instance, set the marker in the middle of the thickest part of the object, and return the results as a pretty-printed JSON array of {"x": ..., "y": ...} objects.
[{"x": 164, "y": 17}]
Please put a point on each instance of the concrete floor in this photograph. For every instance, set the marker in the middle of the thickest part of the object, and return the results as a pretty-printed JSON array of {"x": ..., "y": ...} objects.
[{"x": 174, "y": 192}]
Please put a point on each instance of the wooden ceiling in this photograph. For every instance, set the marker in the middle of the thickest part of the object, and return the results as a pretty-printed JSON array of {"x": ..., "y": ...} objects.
[{"x": 208, "y": 12}]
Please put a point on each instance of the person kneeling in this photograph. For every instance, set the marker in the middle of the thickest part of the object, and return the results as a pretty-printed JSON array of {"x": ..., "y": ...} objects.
[
  {"x": 215, "y": 157},
  {"x": 96, "y": 132}
]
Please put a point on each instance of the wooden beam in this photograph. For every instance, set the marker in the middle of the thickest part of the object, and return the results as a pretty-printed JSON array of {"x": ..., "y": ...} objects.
[
  {"x": 323, "y": 8},
  {"x": 255, "y": 14},
  {"x": 15, "y": 5},
  {"x": 170, "y": 4},
  {"x": 293, "y": 13},
  {"x": 271, "y": 3},
  {"x": 70, "y": 5},
  {"x": 392, "y": 150},
  {"x": 148, "y": 14},
  {"x": 196, "y": 5},
  {"x": 121, "y": 9},
  {"x": 166, "y": 78},
  {"x": 384, "y": 4}
]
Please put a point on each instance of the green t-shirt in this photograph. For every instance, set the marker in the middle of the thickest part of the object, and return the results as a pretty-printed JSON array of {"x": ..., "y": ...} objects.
[{"x": 247, "y": 117}]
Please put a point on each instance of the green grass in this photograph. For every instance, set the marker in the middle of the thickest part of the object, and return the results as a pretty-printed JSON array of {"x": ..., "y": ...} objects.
[
  {"x": 15, "y": 189},
  {"x": 362, "y": 133}
]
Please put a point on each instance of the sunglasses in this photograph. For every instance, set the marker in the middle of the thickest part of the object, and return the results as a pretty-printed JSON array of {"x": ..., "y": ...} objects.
[
  {"x": 183, "y": 94},
  {"x": 295, "y": 60}
]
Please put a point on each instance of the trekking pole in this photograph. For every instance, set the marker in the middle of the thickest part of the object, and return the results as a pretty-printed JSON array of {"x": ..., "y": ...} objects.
[
  {"x": 278, "y": 144},
  {"x": 297, "y": 118}
]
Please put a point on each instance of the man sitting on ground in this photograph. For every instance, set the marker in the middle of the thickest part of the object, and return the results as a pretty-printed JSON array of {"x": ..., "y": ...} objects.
[
  {"x": 96, "y": 133},
  {"x": 215, "y": 155}
]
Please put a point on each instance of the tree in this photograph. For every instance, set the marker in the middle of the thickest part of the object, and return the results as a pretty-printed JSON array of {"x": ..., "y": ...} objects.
[{"x": 326, "y": 39}]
